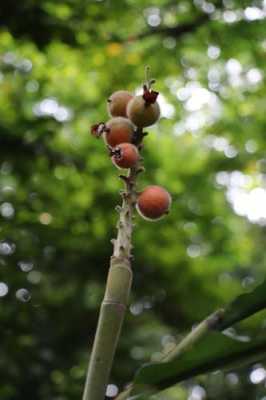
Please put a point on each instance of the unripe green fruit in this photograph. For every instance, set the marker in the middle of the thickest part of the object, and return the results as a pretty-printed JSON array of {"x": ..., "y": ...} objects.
[
  {"x": 118, "y": 130},
  {"x": 125, "y": 155},
  {"x": 117, "y": 103},
  {"x": 141, "y": 113},
  {"x": 153, "y": 203}
]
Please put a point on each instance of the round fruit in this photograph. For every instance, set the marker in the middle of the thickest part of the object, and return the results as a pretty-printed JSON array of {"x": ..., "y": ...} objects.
[
  {"x": 125, "y": 155},
  {"x": 153, "y": 202},
  {"x": 118, "y": 130},
  {"x": 117, "y": 103},
  {"x": 141, "y": 113}
]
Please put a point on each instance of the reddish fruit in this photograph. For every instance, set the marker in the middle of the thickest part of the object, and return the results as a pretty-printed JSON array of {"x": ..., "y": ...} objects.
[
  {"x": 118, "y": 130},
  {"x": 117, "y": 103},
  {"x": 153, "y": 202},
  {"x": 125, "y": 155},
  {"x": 144, "y": 110}
]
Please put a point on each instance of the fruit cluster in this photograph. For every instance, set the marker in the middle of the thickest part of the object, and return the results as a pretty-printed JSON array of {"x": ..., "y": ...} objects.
[{"x": 123, "y": 134}]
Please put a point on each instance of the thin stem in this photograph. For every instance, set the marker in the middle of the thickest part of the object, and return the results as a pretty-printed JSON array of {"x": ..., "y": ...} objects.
[
  {"x": 148, "y": 80},
  {"x": 147, "y": 75},
  {"x": 195, "y": 335},
  {"x": 124, "y": 395},
  {"x": 116, "y": 296}
]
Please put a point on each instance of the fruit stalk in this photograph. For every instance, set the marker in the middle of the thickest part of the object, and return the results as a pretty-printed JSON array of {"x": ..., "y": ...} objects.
[{"x": 116, "y": 296}]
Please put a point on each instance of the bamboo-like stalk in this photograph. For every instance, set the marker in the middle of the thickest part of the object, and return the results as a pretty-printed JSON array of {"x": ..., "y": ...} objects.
[{"x": 116, "y": 295}]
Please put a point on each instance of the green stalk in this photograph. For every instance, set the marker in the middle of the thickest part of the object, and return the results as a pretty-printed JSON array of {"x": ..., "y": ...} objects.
[
  {"x": 195, "y": 335},
  {"x": 115, "y": 300}
]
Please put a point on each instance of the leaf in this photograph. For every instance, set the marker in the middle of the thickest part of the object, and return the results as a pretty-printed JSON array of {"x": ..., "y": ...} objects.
[
  {"x": 243, "y": 306},
  {"x": 224, "y": 351},
  {"x": 214, "y": 351}
]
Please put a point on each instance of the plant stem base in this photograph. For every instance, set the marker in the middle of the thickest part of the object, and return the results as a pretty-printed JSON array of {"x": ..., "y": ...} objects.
[{"x": 108, "y": 330}]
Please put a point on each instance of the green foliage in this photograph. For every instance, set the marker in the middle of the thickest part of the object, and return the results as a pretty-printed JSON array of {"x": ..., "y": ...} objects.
[
  {"x": 58, "y": 190},
  {"x": 208, "y": 351},
  {"x": 226, "y": 353},
  {"x": 243, "y": 306}
]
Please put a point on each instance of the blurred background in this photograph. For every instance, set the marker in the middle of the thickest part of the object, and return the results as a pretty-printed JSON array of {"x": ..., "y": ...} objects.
[{"x": 59, "y": 62}]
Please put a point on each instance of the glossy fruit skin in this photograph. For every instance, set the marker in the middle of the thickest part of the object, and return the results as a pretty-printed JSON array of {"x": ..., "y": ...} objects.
[
  {"x": 142, "y": 114},
  {"x": 117, "y": 103},
  {"x": 118, "y": 130},
  {"x": 153, "y": 203},
  {"x": 126, "y": 155}
]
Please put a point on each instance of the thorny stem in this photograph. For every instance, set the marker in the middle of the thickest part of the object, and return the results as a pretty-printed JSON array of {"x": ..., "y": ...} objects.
[
  {"x": 117, "y": 291},
  {"x": 122, "y": 245}
]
